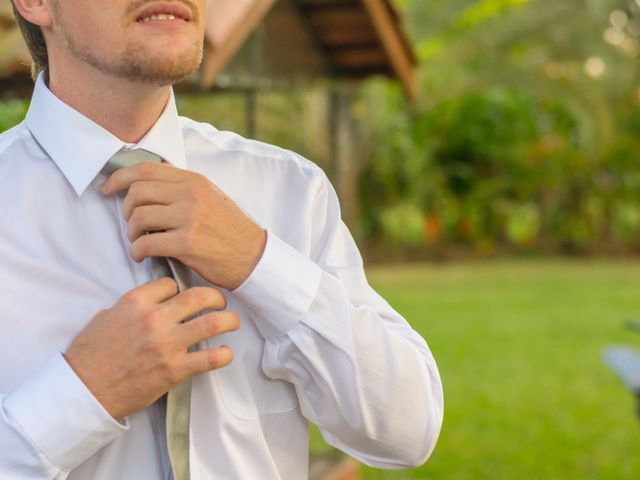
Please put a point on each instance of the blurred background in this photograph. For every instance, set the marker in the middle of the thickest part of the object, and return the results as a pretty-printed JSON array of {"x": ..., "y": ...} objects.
[{"x": 486, "y": 154}]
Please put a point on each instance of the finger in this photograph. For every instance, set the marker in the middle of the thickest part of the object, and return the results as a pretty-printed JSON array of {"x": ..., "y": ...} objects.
[
  {"x": 157, "y": 244},
  {"x": 193, "y": 301},
  {"x": 206, "y": 326},
  {"x": 203, "y": 361},
  {"x": 153, "y": 292},
  {"x": 150, "y": 218},
  {"x": 148, "y": 193},
  {"x": 123, "y": 178}
]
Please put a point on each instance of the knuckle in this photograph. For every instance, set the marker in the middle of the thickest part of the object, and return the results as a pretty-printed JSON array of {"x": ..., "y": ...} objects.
[
  {"x": 131, "y": 232},
  {"x": 213, "y": 359},
  {"x": 206, "y": 298},
  {"x": 234, "y": 319},
  {"x": 186, "y": 301},
  {"x": 189, "y": 240},
  {"x": 159, "y": 348},
  {"x": 211, "y": 298},
  {"x": 132, "y": 298},
  {"x": 156, "y": 348},
  {"x": 220, "y": 357},
  {"x": 212, "y": 326},
  {"x": 204, "y": 295},
  {"x": 203, "y": 182},
  {"x": 169, "y": 283},
  {"x": 134, "y": 251},
  {"x": 218, "y": 300},
  {"x": 145, "y": 168},
  {"x": 191, "y": 214},
  {"x": 193, "y": 191},
  {"x": 150, "y": 322},
  {"x": 136, "y": 216},
  {"x": 197, "y": 177},
  {"x": 198, "y": 296},
  {"x": 143, "y": 245},
  {"x": 133, "y": 193},
  {"x": 126, "y": 206},
  {"x": 173, "y": 375}
]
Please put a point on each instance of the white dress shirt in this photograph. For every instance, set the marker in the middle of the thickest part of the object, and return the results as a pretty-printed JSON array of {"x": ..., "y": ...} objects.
[{"x": 316, "y": 342}]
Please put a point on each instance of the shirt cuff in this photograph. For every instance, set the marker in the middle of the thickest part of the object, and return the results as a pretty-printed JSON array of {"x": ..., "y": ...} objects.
[
  {"x": 281, "y": 288},
  {"x": 60, "y": 416}
]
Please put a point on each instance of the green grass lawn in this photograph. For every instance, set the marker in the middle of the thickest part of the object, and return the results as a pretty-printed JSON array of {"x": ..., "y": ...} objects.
[{"x": 519, "y": 347}]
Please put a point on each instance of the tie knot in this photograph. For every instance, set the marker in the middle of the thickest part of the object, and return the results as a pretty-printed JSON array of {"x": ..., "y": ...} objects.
[{"x": 126, "y": 158}]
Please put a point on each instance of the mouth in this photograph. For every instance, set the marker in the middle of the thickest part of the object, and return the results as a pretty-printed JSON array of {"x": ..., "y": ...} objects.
[{"x": 165, "y": 12}]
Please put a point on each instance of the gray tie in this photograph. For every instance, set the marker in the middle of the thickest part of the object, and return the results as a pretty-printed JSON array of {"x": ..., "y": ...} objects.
[{"x": 179, "y": 398}]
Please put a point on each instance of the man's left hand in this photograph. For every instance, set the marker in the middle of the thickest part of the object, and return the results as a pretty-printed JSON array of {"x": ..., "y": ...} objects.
[{"x": 190, "y": 220}]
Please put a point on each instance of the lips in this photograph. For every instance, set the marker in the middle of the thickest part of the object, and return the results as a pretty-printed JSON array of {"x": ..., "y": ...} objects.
[{"x": 164, "y": 11}]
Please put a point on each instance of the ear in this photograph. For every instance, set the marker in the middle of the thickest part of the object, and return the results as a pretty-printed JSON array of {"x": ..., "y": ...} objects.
[{"x": 37, "y": 12}]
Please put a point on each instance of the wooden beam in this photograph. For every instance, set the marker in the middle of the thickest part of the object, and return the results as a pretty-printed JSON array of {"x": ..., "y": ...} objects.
[
  {"x": 326, "y": 3},
  {"x": 339, "y": 18},
  {"x": 358, "y": 58},
  {"x": 395, "y": 48},
  {"x": 337, "y": 38},
  {"x": 216, "y": 59}
]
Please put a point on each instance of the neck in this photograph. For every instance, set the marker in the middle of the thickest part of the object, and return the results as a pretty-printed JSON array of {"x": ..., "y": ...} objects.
[{"x": 127, "y": 110}]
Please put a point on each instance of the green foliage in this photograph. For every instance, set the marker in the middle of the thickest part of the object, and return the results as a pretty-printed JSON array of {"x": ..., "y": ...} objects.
[
  {"x": 527, "y": 133},
  {"x": 403, "y": 223},
  {"x": 479, "y": 12},
  {"x": 490, "y": 168},
  {"x": 11, "y": 113}
]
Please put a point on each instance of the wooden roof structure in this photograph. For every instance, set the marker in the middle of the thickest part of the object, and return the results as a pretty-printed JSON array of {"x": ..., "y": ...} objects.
[{"x": 263, "y": 43}]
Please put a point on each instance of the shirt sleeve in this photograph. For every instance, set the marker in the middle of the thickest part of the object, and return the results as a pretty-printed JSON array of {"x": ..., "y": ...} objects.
[
  {"x": 50, "y": 424},
  {"x": 361, "y": 373}
]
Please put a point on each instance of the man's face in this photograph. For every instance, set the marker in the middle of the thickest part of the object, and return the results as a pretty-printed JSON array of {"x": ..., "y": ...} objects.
[{"x": 146, "y": 41}]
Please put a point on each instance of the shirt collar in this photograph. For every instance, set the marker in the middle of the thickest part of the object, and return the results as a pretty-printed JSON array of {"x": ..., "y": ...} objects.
[{"x": 80, "y": 147}]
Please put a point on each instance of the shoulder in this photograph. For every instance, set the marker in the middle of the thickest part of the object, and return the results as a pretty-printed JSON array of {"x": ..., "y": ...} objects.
[
  {"x": 235, "y": 148},
  {"x": 12, "y": 136}
]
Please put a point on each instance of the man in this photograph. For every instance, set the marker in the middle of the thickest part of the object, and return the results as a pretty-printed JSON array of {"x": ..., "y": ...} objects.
[{"x": 90, "y": 344}]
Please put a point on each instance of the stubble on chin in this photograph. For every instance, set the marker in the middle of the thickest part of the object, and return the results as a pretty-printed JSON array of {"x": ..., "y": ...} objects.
[{"x": 138, "y": 64}]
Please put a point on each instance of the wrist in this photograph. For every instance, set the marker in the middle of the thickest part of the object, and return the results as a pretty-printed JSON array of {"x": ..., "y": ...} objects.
[
  {"x": 254, "y": 252},
  {"x": 107, "y": 395}
]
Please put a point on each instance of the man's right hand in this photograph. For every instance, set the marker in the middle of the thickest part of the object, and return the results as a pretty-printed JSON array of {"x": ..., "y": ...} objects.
[{"x": 132, "y": 354}]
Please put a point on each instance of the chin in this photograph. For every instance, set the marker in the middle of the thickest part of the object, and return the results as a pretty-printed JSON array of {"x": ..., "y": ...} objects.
[{"x": 158, "y": 67}]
